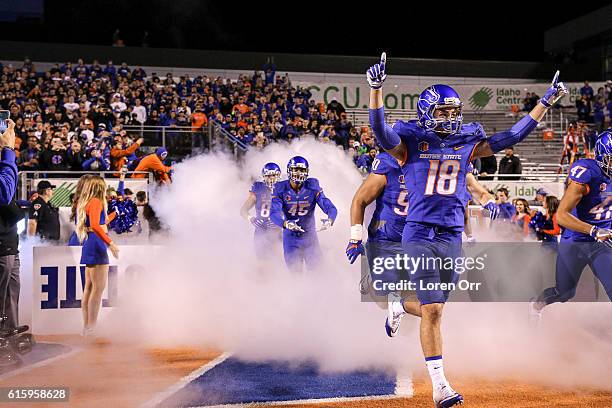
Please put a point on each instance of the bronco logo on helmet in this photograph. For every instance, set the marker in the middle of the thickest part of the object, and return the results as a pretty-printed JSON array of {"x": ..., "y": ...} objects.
[{"x": 429, "y": 102}]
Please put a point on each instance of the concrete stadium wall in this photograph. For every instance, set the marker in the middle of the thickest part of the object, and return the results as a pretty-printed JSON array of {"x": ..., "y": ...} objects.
[{"x": 339, "y": 64}]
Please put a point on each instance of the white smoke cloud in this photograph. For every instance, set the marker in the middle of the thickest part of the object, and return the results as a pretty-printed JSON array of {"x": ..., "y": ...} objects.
[{"x": 206, "y": 288}]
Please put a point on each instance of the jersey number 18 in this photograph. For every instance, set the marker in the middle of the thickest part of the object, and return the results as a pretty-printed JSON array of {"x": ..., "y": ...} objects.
[{"x": 442, "y": 178}]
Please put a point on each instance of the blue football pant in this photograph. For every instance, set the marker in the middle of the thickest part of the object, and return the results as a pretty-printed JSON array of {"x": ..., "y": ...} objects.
[
  {"x": 266, "y": 243},
  {"x": 378, "y": 272},
  {"x": 432, "y": 244},
  {"x": 572, "y": 258},
  {"x": 301, "y": 249}
]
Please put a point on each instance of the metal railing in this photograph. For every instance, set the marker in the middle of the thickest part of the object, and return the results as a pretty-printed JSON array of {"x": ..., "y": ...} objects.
[
  {"x": 221, "y": 139},
  {"x": 26, "y": 181}
]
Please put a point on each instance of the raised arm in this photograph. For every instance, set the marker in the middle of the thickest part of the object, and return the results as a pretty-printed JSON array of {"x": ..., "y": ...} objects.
[
  {"x": 8, "y": 168},
  {"x": 386, "y": 136},
  {"x": 521, "y": 129}
]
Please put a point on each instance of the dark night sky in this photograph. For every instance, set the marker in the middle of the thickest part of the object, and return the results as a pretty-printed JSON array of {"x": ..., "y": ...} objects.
[{"x": 430, "y": 30}]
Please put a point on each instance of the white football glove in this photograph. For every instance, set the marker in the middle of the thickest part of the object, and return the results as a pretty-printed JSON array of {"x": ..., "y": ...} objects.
[
  {"x": 326, "y": 223},
  {"x": 377, "y": 73},
  {"x": 556, "y": 91},
  {"x": 602, "y": 235},
  {"x": 292, "y": 225}
]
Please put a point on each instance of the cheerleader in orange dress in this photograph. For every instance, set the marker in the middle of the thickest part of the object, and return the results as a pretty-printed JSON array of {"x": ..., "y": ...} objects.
[{"x": 92, "y": 232}]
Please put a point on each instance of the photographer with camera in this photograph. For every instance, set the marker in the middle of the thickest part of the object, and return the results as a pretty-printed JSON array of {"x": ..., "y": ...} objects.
[{"x": 10, "y": 214}]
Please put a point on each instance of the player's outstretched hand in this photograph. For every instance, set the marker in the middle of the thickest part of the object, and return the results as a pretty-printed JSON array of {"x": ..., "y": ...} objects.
[
  {"x": 556, "y": 91},
  {"x": 258, "y": 222},
  {"x": 493, "y": 209},
  {"x": 326, "y": 223},
  {"x": 354, "y": 249},
  {"x": 292, "y": 225},
  {"x": 377, "y": 73},
  {"x": 602, "y": 235}
]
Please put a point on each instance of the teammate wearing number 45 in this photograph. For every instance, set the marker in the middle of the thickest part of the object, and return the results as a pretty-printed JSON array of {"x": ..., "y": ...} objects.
[
  {"x": 434, "y": 152},
  {"x": 586, "y": 213},
  {"x": 293, "y": 209},
  {"x": 267, "y": 235}
]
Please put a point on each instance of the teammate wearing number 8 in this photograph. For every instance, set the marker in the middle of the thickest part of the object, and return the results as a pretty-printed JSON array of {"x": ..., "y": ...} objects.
[
  {"x": 434, "y": 152},
  {"x": 293, "y": 209},
  {"x": 267, "y": 235},
  {"x": 586, "y": 213}
]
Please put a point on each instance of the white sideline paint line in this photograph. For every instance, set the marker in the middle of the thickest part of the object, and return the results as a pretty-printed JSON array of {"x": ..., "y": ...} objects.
[
  {"x": 403, "y": 385},
  {"x": 305, "y": 401},
  {"x": 155, "y": 401},
  {"x": 40, "y": 363}
]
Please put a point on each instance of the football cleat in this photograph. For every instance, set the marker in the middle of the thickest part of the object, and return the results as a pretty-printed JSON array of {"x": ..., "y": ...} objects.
[
  {"x": 445, "y": 397},
  {"x": 393, "y": 321},
  {"x": 364, "y": 284},
  {"x": 535, "y": 312}
]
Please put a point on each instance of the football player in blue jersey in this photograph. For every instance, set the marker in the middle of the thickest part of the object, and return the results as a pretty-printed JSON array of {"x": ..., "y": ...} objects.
[
  {"x": 586, "y": 213},
  {"x": 434, "y": 152},
  {"x": 385, "y": 184},
  {"x": 267, "y": 235},
  {"x": 293, "y": 209}
]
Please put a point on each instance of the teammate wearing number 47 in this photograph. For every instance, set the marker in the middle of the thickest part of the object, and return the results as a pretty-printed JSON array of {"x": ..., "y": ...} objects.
[
  {"x": 267, "y": 235},
  {"x": 586, "y": 213},
  {"x": 434, "y": 152},
  {"x": 293, "y": 209}
]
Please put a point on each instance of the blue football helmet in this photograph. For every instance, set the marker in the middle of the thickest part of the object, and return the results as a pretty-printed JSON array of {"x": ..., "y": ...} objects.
[
  {"x": 440, "y": 97},
  {"x": 271, "y": 174},
  {"x": 603, "y": 152},
  {"x": 297, "y": 169}
]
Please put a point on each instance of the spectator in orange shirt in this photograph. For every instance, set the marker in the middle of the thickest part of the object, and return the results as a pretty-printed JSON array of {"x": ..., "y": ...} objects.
[
  {"x": 198, "y": 122},
  {"x": 154, "y": 163},
  {"x": 241, "y": 106},
  {"x": 119, "y": 152}
]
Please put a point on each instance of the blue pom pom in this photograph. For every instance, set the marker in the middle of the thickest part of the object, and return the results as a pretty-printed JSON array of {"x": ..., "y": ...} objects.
[{"x": 127, "y": 215}]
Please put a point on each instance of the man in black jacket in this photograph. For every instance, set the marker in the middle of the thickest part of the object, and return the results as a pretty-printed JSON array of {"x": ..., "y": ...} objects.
[{"x": 510, "y": 164}]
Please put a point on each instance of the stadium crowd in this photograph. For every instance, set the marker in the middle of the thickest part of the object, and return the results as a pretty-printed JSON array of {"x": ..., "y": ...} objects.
[{"x": 76, "y": 116}]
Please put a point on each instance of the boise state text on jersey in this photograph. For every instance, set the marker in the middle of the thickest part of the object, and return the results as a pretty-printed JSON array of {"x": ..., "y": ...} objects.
[
  {"x": 389, "y": 216},
  {"x": 435, "y": 172},
  {"x": 595, "y": 207}
]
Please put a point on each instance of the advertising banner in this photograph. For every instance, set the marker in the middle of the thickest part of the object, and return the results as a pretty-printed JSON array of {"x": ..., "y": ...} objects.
[
  {"x": 58, "y": 280},
  {"x": 401, "y": 94},
  {"x": 525, "y": 189},
  {"x": 67, "y": 186}
]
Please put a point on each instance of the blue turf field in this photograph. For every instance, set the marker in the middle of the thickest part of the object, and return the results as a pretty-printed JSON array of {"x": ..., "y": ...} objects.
[{"x": 237, "y": 382}]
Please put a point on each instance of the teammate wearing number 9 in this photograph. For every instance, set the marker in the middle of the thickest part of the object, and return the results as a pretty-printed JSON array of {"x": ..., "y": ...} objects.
[
  {"x": 586, "y": 213},
  {"x": 293, "y": 209},
  {"x": 434, "y": 152},
  {"x": 267, "y": 235},
  {"x": 385, "y": 184}
]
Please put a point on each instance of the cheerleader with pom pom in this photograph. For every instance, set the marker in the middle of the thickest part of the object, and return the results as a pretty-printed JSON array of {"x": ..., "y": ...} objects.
[{"x": 92, "y": 232}]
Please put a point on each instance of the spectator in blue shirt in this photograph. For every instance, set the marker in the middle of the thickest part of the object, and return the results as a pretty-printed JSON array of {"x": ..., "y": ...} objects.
[
  {"x": 506, "y": 209},
  {"x": 586, "y": 90},
  {"x": 364, "y": 162}
]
